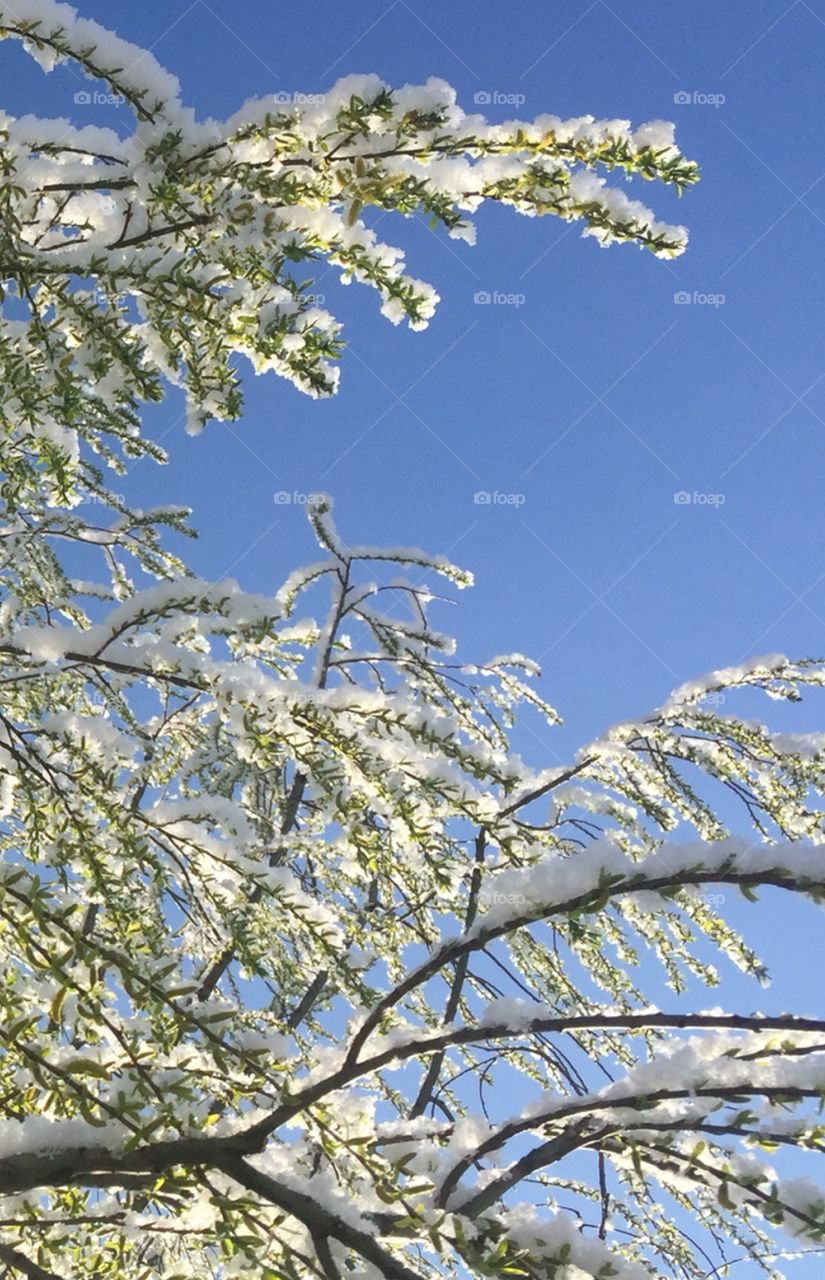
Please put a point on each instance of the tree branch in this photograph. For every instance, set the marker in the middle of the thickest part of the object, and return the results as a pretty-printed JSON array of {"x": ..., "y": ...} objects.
[
  {"x": 318, "y": 1220},
  {"x": 434, "y": 1070},
  {"x": 580, "y": 903},
  {"x": 635, "y": 1101},
  {"x": 26, "y": 1266}
]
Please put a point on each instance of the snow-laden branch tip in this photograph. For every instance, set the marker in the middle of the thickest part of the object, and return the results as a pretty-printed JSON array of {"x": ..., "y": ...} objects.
[{"x": 211, "y": 230}]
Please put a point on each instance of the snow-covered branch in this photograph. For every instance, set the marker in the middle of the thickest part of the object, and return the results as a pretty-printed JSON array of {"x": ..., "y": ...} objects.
[{"x": 210, "y": 229}]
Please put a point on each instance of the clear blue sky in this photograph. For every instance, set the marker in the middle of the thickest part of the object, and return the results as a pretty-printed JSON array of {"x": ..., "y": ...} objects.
[{"x": 596, "y": 399}]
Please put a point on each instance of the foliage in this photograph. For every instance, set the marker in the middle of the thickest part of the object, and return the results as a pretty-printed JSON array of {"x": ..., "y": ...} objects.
[{"x": 297, "y": 975}]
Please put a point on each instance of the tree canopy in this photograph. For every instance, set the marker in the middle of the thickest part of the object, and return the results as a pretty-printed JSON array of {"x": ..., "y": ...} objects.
[
  {"x": 304, "y": 971},
  {"x": 166, "y": 254}
]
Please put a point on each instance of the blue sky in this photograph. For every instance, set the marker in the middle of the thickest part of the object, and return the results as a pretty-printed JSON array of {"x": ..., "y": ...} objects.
[{"x": 595, "y": 399}]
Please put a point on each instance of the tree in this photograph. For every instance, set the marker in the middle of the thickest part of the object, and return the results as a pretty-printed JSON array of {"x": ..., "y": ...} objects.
[
  {"x": 207, "y": 231},
  {"x": 299, "y": 978},
  {"x": 277, "y": 900}
]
